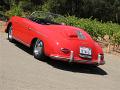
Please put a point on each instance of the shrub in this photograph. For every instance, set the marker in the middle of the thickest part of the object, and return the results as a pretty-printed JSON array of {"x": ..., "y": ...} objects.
[
  {"x": 15, "y": 10},
  {"x": 116, "y": 38}
]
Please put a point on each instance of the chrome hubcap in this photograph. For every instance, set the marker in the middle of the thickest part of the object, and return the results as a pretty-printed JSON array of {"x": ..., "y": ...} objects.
[
  {"x": 10, "y": 33},
  {"x": 38, "y": 47}
]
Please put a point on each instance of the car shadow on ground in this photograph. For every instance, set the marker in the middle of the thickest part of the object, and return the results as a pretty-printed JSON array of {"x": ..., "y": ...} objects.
[
  {"x": 74, "y": 67},
  {"x": 71, "y": 67}
]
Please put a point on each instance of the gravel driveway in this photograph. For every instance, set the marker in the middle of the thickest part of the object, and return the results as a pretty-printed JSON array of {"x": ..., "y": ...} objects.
[{"x": 20, "y": 71}]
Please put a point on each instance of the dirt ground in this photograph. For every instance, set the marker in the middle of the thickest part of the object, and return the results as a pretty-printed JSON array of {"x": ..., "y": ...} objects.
[
  {"x": 20, "y": 71},
  {"x": 2, "y": 26}
]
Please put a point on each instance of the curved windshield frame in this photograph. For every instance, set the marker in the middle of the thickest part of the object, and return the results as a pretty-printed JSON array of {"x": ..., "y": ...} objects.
[{"x": 46, "y": 18}]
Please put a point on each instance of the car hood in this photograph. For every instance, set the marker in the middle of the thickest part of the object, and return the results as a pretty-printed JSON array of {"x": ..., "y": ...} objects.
[
  {"x": 63, "y": 36},
  {"x": 68, "y": 38},
  {"x": 67, "y": 32}
]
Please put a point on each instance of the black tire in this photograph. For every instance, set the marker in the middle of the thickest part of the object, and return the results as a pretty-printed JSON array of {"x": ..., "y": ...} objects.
[
  {"x": 38, "y": 50},
  {"x": 10, "y": 37}
]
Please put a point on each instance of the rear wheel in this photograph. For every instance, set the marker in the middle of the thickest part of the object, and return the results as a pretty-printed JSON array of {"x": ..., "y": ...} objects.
[
  {"x": 38, "y": 51},
  {"x": 10, "y": 30}
]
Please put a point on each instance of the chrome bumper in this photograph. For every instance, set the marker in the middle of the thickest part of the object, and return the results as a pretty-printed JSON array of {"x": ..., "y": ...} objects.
[
  {"x": 71, "y": 59},
  {"x": 71, "y": 56}
]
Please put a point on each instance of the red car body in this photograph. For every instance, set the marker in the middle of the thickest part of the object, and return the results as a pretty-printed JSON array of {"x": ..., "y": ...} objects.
[{"x": 61, "y": 42}]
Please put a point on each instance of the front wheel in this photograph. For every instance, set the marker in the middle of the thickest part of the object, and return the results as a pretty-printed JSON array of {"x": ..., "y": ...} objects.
[
  {"x": 10, "y": 31},
  {"x": 38, "y": 51}
]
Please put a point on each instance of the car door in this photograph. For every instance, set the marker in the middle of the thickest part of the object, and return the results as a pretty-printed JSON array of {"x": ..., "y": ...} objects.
[{"x": 22, "y": 30}]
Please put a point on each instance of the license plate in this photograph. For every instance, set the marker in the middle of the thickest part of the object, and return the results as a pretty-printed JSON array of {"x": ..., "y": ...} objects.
[{"x": 85, "y": 51}]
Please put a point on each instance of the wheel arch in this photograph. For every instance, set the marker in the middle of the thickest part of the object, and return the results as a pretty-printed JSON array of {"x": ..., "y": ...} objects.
[
  {"x": 9, "y": 24},
  {"x": 32, "y": 42},
  {"x": 48, "y": 48}
]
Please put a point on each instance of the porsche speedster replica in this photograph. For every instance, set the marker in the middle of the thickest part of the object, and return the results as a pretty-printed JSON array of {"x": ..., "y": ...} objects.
[{"x": 56, "y": 40}]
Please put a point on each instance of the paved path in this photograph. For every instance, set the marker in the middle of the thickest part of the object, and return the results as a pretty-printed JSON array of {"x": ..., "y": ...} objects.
[{"x": 20, "y": 71}]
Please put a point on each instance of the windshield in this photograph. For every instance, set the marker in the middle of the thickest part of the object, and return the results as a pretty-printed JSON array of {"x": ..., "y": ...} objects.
[{"x": 46, "y": 18}]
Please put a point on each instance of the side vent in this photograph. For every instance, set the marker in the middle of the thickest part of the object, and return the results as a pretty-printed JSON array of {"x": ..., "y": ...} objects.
[{"x": 80, "y": 35}]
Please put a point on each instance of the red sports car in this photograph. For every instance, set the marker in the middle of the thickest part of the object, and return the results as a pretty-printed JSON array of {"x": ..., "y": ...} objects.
[{"x": 41, "y": 32}]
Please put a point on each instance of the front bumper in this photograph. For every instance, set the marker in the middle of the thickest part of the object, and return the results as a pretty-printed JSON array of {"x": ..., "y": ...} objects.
[{"x": 71, "y": 59}]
